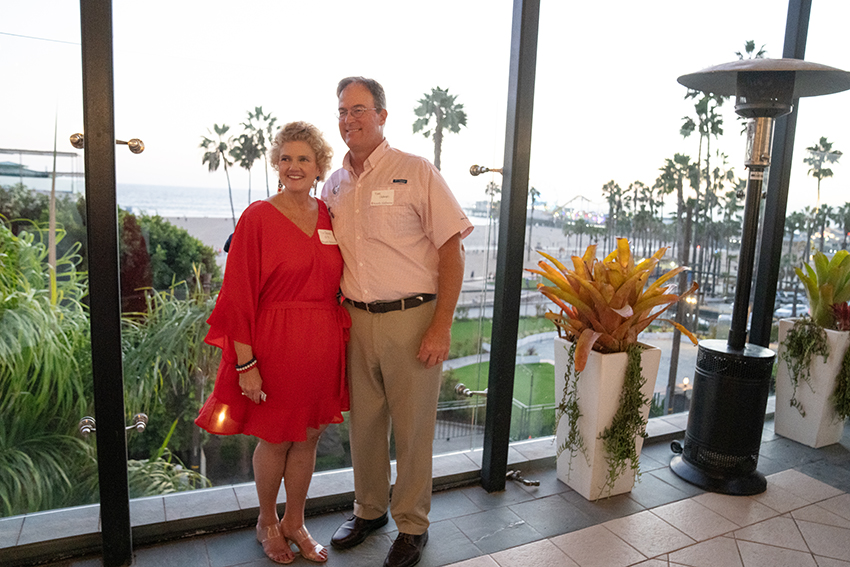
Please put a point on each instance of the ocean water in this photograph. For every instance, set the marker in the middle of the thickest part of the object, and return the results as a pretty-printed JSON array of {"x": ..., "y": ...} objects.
[
  {"x": 196, "y": 202},
  {"x": 171, "y": 201}
]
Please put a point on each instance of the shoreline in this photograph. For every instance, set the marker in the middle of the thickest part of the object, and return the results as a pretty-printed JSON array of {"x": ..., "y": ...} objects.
[{"x": 213, "y": 231}]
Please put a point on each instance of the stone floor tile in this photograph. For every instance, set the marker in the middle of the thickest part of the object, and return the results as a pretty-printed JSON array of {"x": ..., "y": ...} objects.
[
  {"x": 496, "y": 529},
  {"x": 779, "y": 499},
  {"x": 597, "y": 546},
  {"x": 232, "y": 548},
  {"x": 694, "y": 519},
  {"x": 760, "y": 555},
  {"x": 188, "y": 553},
  {"x": 830, "y": 562},
  {"x": 828, "y": 541},
  {"x": 711, "y": 553},
  {"x": 742, "y": 510},
  {"x": 650, "y": 491},
  {"x": 481, "y": 561},
  {"x": 446, "y": 544},
  {"x": 552, "y": 516},
  {"x": 819, "y": 515},
  {"x": 649, "y": 534},
  {"x": 804, "y": 486},
  {"x": 838, "y": 505},
  {"x": 451, "y": 504},
  {"x": 541, "y": 553},
  {"x": 512, "y": 494},
  {"x": 780, "y": 532}
]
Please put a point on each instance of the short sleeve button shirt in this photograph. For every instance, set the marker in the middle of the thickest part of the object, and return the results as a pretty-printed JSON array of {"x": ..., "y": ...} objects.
[{"x": 389, "y": 222}]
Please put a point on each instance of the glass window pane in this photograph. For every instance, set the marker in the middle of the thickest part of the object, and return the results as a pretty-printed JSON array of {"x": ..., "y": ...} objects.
[{"x": 45, "y": 364}]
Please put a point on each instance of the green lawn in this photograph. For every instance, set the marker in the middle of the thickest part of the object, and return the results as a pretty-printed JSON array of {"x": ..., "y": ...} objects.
[
  {"x": 543, "y": 377},
  {"x": 467, "y": 329}
]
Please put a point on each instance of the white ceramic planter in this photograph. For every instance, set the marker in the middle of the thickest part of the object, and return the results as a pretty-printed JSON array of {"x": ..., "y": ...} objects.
[
  {"x": 599, "y": 388},
  {"x": 821, "y": 426}
]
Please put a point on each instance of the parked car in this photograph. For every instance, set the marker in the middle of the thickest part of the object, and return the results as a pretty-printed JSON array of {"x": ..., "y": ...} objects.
[{"x": 788, "y": 311}]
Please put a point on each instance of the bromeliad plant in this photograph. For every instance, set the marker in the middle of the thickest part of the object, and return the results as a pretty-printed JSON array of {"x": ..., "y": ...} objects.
[
  {"x": 604, "y": 305},
  {"x": 827, "y": 285}
]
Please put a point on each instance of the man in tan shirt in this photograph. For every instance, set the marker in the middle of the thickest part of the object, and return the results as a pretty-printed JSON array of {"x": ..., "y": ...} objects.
[{"x": 400, "y": 230}]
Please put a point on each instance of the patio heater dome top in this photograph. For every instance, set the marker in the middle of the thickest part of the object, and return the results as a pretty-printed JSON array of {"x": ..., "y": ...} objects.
[{"x": 810, "y": 79}]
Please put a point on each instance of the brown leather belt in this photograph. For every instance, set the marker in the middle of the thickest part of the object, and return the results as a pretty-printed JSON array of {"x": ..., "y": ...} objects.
[{"x": 397, "y": 305}]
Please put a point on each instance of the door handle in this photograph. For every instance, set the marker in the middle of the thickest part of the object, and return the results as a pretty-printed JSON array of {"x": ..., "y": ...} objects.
[
  {"x": 462, "y": 390},
  {"x": 476, "y": 170},
  {"x": 88, "y": 426},
  {"x": 136, "y": 145}
]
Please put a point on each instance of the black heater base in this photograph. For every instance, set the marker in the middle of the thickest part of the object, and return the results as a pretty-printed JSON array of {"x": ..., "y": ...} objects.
[
  {"x": 726, "y": 418},
  {"x": 746, "y": 485}
]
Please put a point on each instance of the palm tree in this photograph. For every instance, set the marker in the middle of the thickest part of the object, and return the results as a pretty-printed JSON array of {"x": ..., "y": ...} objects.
[
  {"x": 793, "y": 222},
  {"x": 709, "y": 124},
  {"x": 216, "y": 154},
  {"x": 819, "y": 155},
  {"x": 811, "y": 221},
  {"x": 841, "y": 217},
  {"x": 614, "y": 195},
  {"x": 673, "y": 174},
  {"x": 750, "y": 50},
  {"x": 446, "y": 113},
  {"x": 824, "y": 214},
  {"x": 246, "y": 152},
  {"x": 533, "y": 194},
  {"x": 261, "y": 126}
]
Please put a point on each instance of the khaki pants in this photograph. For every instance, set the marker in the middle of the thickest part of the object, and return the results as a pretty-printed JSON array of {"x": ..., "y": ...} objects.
[{"x": 391, "y": 388}]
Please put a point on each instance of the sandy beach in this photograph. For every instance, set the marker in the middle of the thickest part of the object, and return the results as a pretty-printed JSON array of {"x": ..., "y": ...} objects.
[{"x": 214, "y": 232}]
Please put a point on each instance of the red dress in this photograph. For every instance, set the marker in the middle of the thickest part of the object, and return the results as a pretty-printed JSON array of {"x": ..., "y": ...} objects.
[{"x": 279, "y": 295}]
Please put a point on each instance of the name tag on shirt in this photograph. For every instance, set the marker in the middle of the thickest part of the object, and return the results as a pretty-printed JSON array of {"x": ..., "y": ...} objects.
[
  {"x": 327, "y": 236},
  {"x": 382, "y": 197}
]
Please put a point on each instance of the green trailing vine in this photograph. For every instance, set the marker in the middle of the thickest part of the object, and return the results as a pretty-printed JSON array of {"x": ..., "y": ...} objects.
[
  {"x": 568, "y": 407},
  {"x": 804, "y": 340},
  {"x": 841, "y": 396},
  {"x": 628, "y": 423}
]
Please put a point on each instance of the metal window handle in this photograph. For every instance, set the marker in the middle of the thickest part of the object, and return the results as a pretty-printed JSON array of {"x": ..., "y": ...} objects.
[
  {"x": 464, "y": 391},
  {"x": 476, "y": 170},
  {"x": 88, "y": 426},
  {"x": 136, "y": 145}
]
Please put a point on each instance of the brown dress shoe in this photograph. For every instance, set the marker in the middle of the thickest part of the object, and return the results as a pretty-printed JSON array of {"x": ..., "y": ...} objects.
[
  {"x": 354, "y": 530},
  {"x": 406, "y": 550}
]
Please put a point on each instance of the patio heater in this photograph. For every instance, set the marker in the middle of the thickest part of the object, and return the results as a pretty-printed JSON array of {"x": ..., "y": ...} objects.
[{"x": 732, "y": 378}]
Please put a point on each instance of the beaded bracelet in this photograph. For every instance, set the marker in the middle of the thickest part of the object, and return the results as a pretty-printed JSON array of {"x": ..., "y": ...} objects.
[{"x": 240, "y": 368}]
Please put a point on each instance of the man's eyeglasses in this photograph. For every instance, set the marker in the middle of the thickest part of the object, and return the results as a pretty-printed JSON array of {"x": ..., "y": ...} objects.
[{"x": 355, "y": 112}]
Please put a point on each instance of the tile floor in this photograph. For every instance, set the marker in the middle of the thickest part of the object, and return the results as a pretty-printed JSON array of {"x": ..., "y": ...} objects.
[{"x": 803, "y": 519}]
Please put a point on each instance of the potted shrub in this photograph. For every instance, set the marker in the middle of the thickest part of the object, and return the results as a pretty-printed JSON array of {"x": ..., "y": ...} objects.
[
  {"x": 604, "y": 376},
  {"x": 813, "y": 373}
]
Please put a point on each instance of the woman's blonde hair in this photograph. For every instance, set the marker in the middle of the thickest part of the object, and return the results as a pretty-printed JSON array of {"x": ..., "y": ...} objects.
[{"x": 303, "y": 132}]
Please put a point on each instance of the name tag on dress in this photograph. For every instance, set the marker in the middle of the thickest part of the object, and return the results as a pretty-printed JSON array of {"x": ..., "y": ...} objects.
[
  {"x": 382, "y": 197},
  {"x": 327, "y": 236}
]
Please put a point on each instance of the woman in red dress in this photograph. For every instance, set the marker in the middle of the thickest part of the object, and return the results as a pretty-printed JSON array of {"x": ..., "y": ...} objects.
[{"x": 282, "y": 331}]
